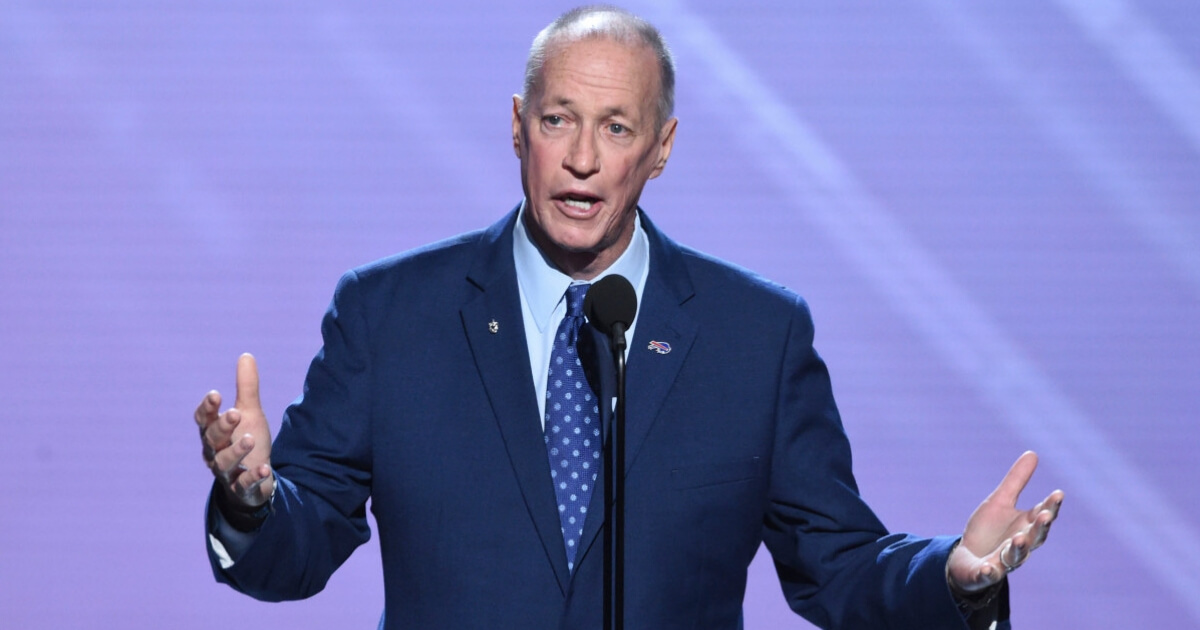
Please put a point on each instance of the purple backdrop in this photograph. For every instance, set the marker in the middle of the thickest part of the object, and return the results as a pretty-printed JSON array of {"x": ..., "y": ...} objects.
[{"x": 991, "y": 206}]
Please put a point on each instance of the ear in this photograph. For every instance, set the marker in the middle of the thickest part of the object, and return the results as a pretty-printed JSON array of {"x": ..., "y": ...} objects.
[
  {"x": 666, "y": 140},
  {"x": 516, "y": 125}
]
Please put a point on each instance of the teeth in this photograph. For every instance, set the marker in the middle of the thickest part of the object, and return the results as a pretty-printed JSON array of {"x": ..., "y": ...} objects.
[{"x": 575, "y": 203}]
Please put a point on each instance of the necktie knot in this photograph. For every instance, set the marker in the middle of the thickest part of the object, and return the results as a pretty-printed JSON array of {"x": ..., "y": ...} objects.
[{"x": 575, "y": 296}]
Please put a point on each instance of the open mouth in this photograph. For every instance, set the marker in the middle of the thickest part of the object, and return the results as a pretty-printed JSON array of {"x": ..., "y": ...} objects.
[{"x": 578, "y": 201}]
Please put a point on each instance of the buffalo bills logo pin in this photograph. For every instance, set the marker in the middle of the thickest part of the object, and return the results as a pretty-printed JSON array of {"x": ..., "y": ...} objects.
[{"x": 660, "y": 347}]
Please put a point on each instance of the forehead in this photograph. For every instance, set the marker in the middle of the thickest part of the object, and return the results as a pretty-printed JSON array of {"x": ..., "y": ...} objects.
[{"x": 600, "y": 72}]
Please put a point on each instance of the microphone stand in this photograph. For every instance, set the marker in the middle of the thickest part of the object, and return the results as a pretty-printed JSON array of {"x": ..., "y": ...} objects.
[{"x": 614, "y": 497}]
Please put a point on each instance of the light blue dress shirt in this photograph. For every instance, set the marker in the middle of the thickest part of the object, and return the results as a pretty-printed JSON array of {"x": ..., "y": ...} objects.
[{"x": 543, "y": 290}]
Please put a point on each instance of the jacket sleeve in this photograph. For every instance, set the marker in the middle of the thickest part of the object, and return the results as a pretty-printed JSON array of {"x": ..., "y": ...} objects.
[
  {"x": 838, "y": 565},
  {"x": 322, "y": 462}
]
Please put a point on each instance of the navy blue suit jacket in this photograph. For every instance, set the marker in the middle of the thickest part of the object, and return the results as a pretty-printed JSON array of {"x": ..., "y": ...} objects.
[{"x": 733, "y": 439}]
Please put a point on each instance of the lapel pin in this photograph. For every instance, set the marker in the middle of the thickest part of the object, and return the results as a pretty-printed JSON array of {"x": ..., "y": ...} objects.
[
  {"x": 660, "y": 347},
  {"x": 493, "y": 327}
]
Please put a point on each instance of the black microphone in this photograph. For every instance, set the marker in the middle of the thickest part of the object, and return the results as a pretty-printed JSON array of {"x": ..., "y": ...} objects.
[{"x": 611, "y": 305}]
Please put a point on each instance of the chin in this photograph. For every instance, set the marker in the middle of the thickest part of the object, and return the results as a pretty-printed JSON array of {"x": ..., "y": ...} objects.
[
  {"x": 576, "y": 241},
  {"x": 579, "y": 246}
]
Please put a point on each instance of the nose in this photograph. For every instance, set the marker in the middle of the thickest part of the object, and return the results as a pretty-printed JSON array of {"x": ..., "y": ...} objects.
[{"x": 583, "y": 157}]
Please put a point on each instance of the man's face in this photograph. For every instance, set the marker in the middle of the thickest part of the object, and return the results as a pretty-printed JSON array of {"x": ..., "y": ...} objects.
[{"x": 587, "y": 145}]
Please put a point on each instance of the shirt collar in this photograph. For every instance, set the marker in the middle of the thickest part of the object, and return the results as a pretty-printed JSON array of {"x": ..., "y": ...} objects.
[{"x": 543, "y": 285}]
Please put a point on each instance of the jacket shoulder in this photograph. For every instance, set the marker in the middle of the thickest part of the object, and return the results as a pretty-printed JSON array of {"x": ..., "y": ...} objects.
[
  {"x": 451, "y": 256},
  {"x": 720, "y": 280}
]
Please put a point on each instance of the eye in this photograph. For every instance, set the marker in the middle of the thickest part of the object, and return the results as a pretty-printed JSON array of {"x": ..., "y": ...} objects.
[
  {"x": 617, "y": 129},
  {"x": 553, "y": 120}
]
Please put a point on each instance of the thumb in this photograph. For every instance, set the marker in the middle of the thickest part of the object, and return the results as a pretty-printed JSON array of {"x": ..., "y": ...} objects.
[
  {"x": 1014, "y": 482},
  {"x": 247, "y": 383}
]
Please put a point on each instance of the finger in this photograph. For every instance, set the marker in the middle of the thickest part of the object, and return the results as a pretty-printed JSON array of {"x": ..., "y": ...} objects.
[
  {"x": 1017, "y": 549},
  {"x": 227, "y": 464},
  {"x": 206, "y": 411},
  {"x": 1043, "y": 520},
  {"x": 247, "y": 382},
  {"x": 255, "y": 477},
  {"x": 969, "y": 573},
  {"x": 219, "y": 435},
  {"x": 1015, "y": 481},
  {"x": 1022, "y": 546},
  {"x": 1041, "y": 529},
  {"x": 1008, "y": 558},
  {"x": 1053, "y": 502},
  {"x": 253, "y": 486},
  {"x": 1043, "y": 514},
  {"x": 987, "y": 574}
]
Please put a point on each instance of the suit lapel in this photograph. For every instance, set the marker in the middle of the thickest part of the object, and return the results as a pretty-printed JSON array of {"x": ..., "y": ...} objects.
[
  {"x": 502, "y": 358},
  {"x": 649, "y": 374}
]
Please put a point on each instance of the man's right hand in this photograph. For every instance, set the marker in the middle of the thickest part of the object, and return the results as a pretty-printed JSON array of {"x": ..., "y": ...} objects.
[{"x": 237, "y": 443}]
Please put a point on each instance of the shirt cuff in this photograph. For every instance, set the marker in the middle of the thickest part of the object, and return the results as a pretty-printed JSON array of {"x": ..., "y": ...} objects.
[{"x": 230, "y": 541}]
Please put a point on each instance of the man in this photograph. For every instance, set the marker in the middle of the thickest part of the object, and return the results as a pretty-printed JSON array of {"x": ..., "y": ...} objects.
[{"x": 488, "y": 518}]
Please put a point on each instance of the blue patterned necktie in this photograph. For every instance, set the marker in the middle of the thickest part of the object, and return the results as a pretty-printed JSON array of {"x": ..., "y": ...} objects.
[{"x": 572, "y": 430}]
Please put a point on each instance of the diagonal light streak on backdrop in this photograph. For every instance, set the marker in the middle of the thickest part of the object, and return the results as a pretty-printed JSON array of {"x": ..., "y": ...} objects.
[
  {"x": 396, "y": 93},
  {"x": 1145, "y": 56},
  {"x": 1107, "y": 169},
  {"x": 1139, "y": 515}
]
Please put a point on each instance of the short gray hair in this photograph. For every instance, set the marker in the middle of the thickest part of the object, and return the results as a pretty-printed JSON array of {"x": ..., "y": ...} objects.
[{"x": 603, "y": 21}]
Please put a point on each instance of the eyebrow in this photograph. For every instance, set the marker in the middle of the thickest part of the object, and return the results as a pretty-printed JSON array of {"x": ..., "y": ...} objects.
[{"x": 611, "y": 111}]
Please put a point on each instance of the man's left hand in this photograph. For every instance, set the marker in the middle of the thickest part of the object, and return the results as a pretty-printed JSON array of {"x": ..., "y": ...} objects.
[{"x": 999, "y": 538}]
